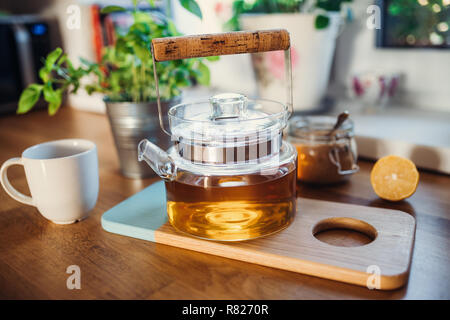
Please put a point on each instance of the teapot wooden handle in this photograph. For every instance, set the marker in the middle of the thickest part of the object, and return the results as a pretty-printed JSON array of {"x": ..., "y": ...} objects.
[{"x": 206, "y": 45}]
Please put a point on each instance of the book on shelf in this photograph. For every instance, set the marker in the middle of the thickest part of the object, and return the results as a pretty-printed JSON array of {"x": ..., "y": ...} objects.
[
  {"x": 105, "y": 29},
  {"x": 107, "y": 26}
]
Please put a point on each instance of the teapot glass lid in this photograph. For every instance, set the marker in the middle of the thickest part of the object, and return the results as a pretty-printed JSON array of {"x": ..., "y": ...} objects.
[
  {"x": 205, "y": 131},
  {"x": 227, "y": 116}
]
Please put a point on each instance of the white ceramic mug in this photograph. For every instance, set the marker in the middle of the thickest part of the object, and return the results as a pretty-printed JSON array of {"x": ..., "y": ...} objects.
[{"x": 62, "y": 176}]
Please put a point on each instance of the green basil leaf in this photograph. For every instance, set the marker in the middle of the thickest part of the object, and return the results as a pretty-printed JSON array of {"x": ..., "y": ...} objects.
[
  {"x": 62, "y": 59},
  {"x": 172, "y": 29},
  {"x": 321, "y": 21},
  {"x": 141, "y": 52},
  {"x": 109, "y": 9},
  {"x": 213, "y": 58},
  {"x": 53, "y": 108},
  {"x": 232, "y": 24},
  {"x": 29, "y": 97},
  {"x": 204, "y": 78},
  {"x": 192, "y": 7},
  {"x": 54, "y": 99},
  {"x": 76, "y": 86},
  {"x": 44, "y": 74},
  {"x": 143, "y": 17},
  {"x": 183, "y": 83},
  {"x": 142, "y": 28},
  {"x": 182, "y": 77},
  {"x": 50, "y": 95},
  {"x": 195, "y": 73},
  {"x": 52, "y": 57}
]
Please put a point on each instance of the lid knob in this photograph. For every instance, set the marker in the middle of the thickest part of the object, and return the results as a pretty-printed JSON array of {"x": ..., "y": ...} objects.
[{"x": 228, "y": 106}]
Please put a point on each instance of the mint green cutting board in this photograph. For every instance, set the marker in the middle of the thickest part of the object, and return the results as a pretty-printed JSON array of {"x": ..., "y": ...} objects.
[{"x": 139, "y": 215}]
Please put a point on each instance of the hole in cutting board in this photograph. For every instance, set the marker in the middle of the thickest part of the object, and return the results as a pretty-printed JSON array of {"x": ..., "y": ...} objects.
[{"x": 344, "y": 232}]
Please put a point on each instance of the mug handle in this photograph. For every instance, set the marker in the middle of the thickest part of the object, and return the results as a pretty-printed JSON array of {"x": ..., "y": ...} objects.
[{"x": 13, "y": 193}]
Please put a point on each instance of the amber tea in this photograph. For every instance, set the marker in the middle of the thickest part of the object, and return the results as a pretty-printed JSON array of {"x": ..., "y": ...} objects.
[{"x": 232, "y": 208}]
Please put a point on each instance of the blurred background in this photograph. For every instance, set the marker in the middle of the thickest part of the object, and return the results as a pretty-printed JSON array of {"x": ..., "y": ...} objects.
[{"x": 387, "y": 62}]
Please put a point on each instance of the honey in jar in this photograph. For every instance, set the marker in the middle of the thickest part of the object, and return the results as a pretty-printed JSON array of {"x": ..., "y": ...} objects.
[{"x": 323, "y": 158}]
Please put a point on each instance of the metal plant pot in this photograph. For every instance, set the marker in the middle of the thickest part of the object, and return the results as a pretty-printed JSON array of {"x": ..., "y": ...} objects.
[{"x": 130, "y": 123}]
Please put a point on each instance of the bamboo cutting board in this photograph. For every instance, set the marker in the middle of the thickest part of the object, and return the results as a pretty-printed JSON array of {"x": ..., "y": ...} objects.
[{"x": 382, "y": 264}]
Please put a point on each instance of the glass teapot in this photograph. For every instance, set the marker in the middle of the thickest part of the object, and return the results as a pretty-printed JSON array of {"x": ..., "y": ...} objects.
[{"x": 229, "y": 176}]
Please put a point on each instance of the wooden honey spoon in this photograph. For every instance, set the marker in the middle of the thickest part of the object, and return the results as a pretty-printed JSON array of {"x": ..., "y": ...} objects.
[{"x": 340, "y": 120}]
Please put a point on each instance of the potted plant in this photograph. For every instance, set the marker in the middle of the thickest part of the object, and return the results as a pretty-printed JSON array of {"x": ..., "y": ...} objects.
[
  {"x": 313, "y": 26},
  {"x": 125, "y": 77}
]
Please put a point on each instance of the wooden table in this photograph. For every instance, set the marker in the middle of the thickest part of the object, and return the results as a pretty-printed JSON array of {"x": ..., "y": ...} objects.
[{"x": 34, "y": 253}]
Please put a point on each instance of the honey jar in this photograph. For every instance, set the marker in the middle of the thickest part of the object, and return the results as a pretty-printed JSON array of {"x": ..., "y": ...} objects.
[{"x": 324, "y": 157}]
